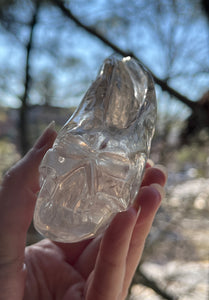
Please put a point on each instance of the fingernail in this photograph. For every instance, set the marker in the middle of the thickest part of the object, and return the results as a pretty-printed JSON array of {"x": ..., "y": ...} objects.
[
  {"x": 136, "y": 207},
  {"x": 163, "y": 169},
  {"x": 43, "y": 139},
  {"x": 150, "y": 162},
  {"x": 51, "y": 126},
  {"x": 159, "y": 188},
  {"x": 138, "y": 212}
]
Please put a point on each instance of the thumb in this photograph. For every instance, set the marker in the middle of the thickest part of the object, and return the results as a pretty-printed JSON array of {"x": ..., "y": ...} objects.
[
  {"x": 25, "y": 174},
  {"x": 18, "y": 197}
]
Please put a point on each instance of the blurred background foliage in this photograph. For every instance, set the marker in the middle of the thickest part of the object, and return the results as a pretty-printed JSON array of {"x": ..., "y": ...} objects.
[{"x": 50, "y": 51}]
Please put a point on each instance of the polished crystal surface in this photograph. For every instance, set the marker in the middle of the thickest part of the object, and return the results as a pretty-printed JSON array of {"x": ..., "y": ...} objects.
[{"x": 95, "y": 166}]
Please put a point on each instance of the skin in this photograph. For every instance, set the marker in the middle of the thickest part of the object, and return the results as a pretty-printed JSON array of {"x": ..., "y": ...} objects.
[{"x": 100, "y": 268}]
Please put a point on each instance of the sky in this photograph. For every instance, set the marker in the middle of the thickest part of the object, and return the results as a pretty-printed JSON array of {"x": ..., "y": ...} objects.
[{"x": 57, "y": 38}]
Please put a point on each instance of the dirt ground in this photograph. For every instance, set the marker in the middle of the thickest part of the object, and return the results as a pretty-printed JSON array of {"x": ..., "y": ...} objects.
[{"x": 179, "y": 256}]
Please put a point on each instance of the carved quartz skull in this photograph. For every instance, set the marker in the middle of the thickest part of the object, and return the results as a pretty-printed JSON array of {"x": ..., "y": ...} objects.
[{"x": 95, "y": 167}]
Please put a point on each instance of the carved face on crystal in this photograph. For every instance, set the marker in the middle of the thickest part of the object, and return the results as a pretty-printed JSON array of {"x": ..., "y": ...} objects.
[{"x": 95, "y": 167}]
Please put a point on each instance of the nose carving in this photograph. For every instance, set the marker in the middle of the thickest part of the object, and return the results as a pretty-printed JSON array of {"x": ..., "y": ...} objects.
[{"x": 95, "y": 166}]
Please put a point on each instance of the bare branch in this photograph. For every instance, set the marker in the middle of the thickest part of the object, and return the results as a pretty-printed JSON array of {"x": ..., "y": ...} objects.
[{"x": 117, "y": 49}]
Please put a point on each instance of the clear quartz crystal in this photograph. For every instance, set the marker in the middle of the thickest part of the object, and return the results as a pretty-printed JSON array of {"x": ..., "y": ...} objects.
[{"x": 95, "y": 166}]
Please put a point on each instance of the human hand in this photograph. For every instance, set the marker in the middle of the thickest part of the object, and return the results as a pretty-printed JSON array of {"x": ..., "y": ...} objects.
[{"x": 97, "y": 269}]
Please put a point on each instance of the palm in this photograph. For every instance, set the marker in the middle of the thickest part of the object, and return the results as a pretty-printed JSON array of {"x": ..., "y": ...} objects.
[{"x": 61, "y": 271}]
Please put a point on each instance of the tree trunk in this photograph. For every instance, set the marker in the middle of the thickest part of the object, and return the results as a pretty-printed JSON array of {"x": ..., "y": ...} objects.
[{"x": 23, "y": 113}]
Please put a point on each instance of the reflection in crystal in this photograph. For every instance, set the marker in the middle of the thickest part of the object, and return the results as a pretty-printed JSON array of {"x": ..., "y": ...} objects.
[{"x": 61, "y": 159}]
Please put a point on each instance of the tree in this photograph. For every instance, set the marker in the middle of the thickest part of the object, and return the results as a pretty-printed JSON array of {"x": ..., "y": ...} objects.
[{"x": 166, "y": 31}]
